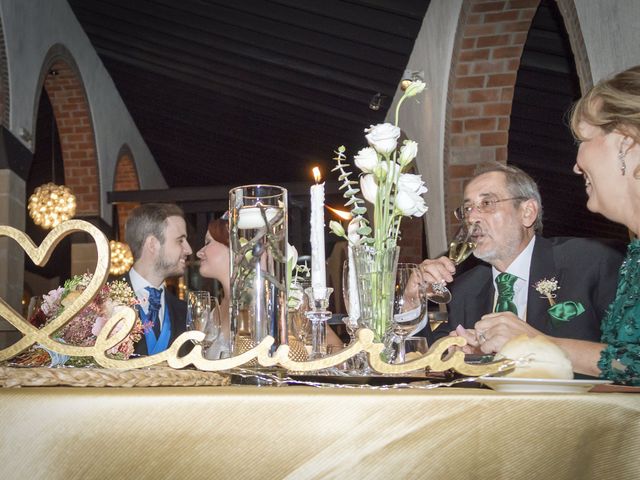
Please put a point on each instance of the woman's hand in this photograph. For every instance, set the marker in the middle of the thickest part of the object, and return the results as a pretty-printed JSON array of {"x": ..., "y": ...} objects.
[
  {"x": 469, "y": 334},
  {"x": 495, "y": 329}
]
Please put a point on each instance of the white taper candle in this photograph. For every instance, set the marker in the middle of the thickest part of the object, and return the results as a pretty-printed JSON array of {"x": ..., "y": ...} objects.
[{"x": 318, "y": 268}]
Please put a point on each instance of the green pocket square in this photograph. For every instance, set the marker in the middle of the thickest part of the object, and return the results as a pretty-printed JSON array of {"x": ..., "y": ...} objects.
[{"x": 564, "y": 312}]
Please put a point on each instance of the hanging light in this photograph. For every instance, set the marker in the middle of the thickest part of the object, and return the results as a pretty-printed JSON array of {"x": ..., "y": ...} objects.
[
  {"x": 376, "y": 101},
  {"x": 121, "y": 258},
  {"x": 52, "y": 204}
]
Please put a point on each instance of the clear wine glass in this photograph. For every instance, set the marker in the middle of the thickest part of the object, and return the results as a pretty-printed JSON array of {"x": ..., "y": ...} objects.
[
  {"x": 203, "y": 315},
  {"x": 35, "y": 303},
  {"x": 409, "y": 304},
  {"x": 358, "y": 363},
  {"x": 460, "y": 248},
  {"x": 415, "y": 347},
  {"x": 219, "y": 339},
  {"x": 300, "y": 323},
  {"x": 351, "y": 320}
]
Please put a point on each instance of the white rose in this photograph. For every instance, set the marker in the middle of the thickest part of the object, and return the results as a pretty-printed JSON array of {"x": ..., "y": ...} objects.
[
  {"x": 366, "y": 160},
  {"x": 410, "y": 203},
  {"x": 414, "y": 88},
  {"x": 408, "y": 152},
  {"x": 412, "y": 183},
  {"x": 369, "y": 187},
  {"x": 352, "y": 230},
  {"x": 383, "y": 137}
]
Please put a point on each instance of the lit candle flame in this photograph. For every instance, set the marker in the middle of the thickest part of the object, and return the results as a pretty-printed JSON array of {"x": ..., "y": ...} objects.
[
  {"x": 316, "y": 174},
  {"x": 341, "y": 213}
]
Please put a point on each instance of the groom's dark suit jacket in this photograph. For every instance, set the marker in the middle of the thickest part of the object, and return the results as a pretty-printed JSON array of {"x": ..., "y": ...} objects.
[
  {"x": 177, "y": 313},
  {"x": 586, "y": 271}
]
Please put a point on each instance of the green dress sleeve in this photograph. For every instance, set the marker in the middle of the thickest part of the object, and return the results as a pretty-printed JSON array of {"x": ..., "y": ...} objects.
[{"x": 620, "y": 360}]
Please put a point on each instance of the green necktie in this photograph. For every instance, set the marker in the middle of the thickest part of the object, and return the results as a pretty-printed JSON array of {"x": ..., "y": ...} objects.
[{"x": 505, "y": 283}]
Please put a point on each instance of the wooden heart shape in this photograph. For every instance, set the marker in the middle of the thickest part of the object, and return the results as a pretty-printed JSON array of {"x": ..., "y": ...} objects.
[{"x": 40, "y": 256}]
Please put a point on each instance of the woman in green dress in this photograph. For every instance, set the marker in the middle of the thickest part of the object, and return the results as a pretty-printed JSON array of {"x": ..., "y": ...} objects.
[{"x": 606, "y": 122}]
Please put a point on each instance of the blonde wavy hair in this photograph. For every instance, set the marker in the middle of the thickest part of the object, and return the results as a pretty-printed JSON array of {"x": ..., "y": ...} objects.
[{"x": 612, "y": 104}]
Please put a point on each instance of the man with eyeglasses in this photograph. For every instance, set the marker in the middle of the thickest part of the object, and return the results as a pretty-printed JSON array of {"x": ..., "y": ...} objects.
[{"x": 501, "y": 297}]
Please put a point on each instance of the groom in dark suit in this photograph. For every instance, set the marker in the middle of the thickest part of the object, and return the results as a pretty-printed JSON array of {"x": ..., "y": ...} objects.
[
  {"x": 157, "y": 236},
  {"x": 527, "y": 284}
]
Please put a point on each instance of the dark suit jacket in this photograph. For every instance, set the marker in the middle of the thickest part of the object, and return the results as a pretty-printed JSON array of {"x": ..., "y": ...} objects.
[
  {"x": 177, "y": 313},
  {"x": 586, "y": 271}
]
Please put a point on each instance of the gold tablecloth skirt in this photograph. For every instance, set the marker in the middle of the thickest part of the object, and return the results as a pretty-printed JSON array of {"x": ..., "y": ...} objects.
[{"x": 301, "y": 432}]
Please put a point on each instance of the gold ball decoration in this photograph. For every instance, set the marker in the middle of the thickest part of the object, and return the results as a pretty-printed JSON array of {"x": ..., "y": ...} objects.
[
  {"x": 121, "y": 258},
  {"x": 51, "y": 204}
]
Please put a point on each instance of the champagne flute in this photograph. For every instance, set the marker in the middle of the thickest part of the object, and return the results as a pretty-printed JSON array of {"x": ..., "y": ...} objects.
[
  {"x": 299, "y": 322},
  {"x": 409, "y": 304},
  {"x": 213, "y": 345},
  {"x": 35, "y": 305},
  {"x": 358, "y": 363},
  {"x": 460, "y": 248},
  {"x": 200, "y": 318},
  {"x": 415, "y": 347},
  {"x": 351, "y": 320}
]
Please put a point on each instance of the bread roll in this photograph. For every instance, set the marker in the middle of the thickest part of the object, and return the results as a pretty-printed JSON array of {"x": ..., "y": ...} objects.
[{"x": 536, "y": 357}]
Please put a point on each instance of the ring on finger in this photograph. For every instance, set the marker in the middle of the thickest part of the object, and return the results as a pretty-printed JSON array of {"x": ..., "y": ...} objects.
[{"x": 481, "y": 337}]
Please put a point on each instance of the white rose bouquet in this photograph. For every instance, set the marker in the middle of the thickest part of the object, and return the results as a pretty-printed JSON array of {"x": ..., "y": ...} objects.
[{"x": 384, "y": 182}]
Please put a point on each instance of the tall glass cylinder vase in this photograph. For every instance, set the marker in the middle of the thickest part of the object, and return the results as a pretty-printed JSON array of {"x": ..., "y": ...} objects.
[
  {"x": 376, "y": 273},
  {"x": 258, "y": 241}
]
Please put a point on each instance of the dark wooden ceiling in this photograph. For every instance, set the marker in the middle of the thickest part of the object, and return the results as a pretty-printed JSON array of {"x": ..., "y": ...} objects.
[{"x": 231, "y": 92}]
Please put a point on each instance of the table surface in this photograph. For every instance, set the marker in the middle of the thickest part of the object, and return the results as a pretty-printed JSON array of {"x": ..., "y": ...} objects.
[{"x": 305, "y": 432}]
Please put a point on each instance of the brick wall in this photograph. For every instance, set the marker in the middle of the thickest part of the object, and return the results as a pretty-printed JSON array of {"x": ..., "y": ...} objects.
[
  {"x": 77, "y": 142},
  {"x": 487, "y": 52}
]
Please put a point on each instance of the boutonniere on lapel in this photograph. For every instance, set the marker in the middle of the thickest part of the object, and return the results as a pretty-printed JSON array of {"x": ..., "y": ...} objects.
[{"x": 559, "y": 312}]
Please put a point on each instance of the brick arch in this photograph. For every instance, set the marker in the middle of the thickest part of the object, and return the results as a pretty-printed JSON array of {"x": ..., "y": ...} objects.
[
  {"x": 489, "y": 41},
  {"x": 125, "y": 179},
  {"x": 63, "y": 84},
  {"x": 567, "y": 9}
]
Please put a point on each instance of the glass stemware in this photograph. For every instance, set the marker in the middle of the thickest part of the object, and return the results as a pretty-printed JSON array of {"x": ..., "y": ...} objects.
[
  {"x": 409, "y": 304},
  {"x": 35, "y": 303},
  {"x": 299, "y": 322},
  {"x": 351, "y": 320},
  {"x": 358, "y": 364},
  {"x": 218, "y": 342},
  {"x": 203, "y": 315},
  {"x": 415, "y": 347},
  {"x": 460, "y": 248},
  {"x": 319, "y": 315}
]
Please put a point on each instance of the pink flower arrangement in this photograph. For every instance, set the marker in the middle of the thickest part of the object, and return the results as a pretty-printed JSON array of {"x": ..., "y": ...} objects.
[{"x": 83, "y": 329}]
